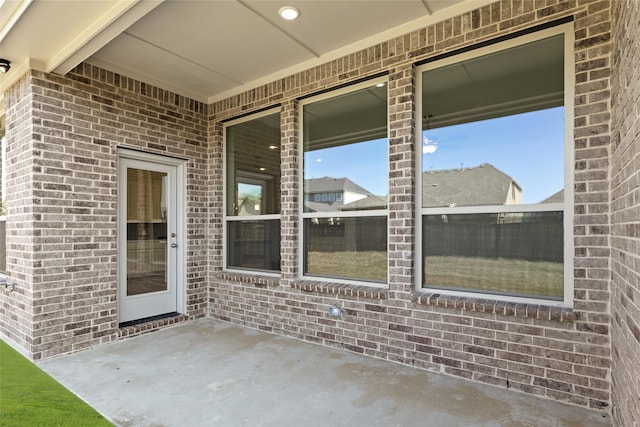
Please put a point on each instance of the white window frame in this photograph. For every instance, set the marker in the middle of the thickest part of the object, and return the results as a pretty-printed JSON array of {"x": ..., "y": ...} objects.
[
  {"x": 567, "y": 206},
  {"x": 230, "y": 218},
  {"x": 338, "y": 214}
]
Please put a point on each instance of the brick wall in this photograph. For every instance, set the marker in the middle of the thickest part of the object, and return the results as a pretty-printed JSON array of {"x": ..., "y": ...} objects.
[
  {"x": 63, "y": 138},
  {"x": 16, "y": 316},
  {"x": 62, "y": 161},
  {"x": 625, "y": 213},
  {"x": 558, "y": 353}
]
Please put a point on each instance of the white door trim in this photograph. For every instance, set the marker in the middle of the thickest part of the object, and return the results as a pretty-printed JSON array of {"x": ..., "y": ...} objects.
[{"x": 180, "y": 221}]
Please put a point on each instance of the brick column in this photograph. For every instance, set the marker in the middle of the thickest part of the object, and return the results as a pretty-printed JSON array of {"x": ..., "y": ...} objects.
[
  {"x": 216, "y": 199},
  {"x": 402, "y": 165},
  {"x": 17, "y": 306},
  {"x": 290, "y": 192}
]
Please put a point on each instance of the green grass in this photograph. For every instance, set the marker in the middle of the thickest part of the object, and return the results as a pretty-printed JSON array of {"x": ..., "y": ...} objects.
[
  {"x": 511, "y": 276},
  {"x": 371, "y": 265},
  {"x": 30, "y": 397}
]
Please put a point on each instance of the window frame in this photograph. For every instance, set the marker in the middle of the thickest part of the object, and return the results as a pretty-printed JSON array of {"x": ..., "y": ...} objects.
[
  {"x": 566, "y": 207},
  {"x": 226, "y": 218},
  {"x": 302, "y": 215}
]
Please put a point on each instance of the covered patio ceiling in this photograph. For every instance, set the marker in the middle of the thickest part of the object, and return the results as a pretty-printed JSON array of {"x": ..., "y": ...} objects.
[{"x": 206, "y": 50}]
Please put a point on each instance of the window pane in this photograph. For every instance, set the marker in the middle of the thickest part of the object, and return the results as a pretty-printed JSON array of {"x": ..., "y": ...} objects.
[
  {"x": 347, "y": 248},
  {"x": 254, "y": 244},
  {"x": 346, "y": 151},
  {"x": 508, "y": 253},
  {"x": 253, "y": 160},
  {"x": 250, "y": 199},
  {"x": 493, "y": 128}
]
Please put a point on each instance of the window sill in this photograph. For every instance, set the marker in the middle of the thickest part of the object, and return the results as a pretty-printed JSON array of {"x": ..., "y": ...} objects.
[
  {"x": 342, "y": 289},
  {"x": 257, "y": 280},
  {"x": 504, "y": 308}
]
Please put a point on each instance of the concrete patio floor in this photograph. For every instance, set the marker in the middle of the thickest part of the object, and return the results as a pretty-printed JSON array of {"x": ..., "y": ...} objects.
[{"x": 209, "y": 373}]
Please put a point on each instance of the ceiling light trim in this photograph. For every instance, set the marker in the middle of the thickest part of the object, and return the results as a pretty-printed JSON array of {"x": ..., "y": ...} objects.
[
  {"x": 416, "y": 24},
  {"x": 289, "y": 13}
]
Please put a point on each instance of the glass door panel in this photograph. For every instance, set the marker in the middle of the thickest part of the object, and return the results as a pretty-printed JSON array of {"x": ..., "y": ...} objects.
[{"x": 146, "y": 231}]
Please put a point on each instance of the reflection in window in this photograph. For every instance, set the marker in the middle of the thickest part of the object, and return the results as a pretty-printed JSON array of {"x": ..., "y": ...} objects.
[
  {"x": 493, "y": 130},
  {"x": 146, "y": 231},
  {"x": 502, "y": 253},
  {"x": 345, "y": 170},
  {"x": 353, "y": 248},
  {"x": 254, "y": 244},
  {"x": 505, "y": 110},
  {"x": 250, "y": 198},
  {"x": 253, "y": 193}
]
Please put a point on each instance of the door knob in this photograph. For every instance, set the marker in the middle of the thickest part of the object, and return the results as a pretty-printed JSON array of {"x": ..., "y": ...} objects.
[{"x": 174, "y": 245}]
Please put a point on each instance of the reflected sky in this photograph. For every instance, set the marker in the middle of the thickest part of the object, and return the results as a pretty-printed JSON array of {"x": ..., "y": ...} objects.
[
  {"x": 365, "y": 163},
  {"x": 529, "y": 147}
]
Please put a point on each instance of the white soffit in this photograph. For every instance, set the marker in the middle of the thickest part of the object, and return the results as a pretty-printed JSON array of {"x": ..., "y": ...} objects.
[
  {"x": 207, "y": 50},
  {"x": 433, "y": 12}
]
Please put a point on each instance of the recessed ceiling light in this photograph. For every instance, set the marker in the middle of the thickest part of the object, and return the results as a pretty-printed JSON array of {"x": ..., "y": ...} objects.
[
  {"x": 263, "y": 169},
  {"x": 289, "y": 13},
  {"x": 273, "y": 146},
  {"x": 381, "y": 84}
]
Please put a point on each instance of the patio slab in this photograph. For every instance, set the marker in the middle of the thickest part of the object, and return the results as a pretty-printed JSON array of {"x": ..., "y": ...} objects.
[{"x": 210, "y": 373}]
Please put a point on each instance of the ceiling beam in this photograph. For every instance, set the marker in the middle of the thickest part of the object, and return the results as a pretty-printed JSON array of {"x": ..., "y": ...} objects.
[
  {"x": 14, "y": 18},
  {"x": 426, "y": 6},
  {"x": 100, "y": 32}
]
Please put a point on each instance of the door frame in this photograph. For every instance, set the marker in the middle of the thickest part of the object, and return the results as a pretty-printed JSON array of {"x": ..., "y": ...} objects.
[{"x": 180, "y": 220}]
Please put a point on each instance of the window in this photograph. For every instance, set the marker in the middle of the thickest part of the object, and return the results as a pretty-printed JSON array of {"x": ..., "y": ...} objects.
[
  {"x": 252, "y": 220},
  {"x": 345, "y": 158},
  {"x": 496, "y": 179}
]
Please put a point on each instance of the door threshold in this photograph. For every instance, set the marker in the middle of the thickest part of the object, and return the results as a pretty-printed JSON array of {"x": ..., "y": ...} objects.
[{"x": 147, "y": 319}]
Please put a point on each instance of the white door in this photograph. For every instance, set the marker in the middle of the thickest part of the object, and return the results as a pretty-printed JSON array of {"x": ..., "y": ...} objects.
[{"x": 149, "y": 244}]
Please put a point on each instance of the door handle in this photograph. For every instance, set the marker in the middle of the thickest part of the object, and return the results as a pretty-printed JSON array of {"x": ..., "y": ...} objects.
[{"x": 174, "y": 245}]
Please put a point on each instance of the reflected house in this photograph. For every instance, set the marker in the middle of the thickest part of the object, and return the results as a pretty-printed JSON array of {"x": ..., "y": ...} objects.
[
  {"x": 555, "y": 198},
  {"x": 368, "y": 203},
  {"x": 329, "y": 194},
  {"x": 482, "y": 185}
]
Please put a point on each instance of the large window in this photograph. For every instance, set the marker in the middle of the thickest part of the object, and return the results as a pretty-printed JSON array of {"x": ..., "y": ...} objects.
[
  {"x": 252, "y": 220},
  {"x": 495, "y": 179},
  {"x": 345, "y": 173}
]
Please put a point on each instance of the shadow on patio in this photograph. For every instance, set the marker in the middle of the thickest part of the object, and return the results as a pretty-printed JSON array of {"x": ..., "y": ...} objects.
[{"x": 209, "y": 373}]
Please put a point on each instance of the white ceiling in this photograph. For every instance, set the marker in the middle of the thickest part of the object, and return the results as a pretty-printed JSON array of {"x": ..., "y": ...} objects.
[{"x": 206, "y": 50}]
